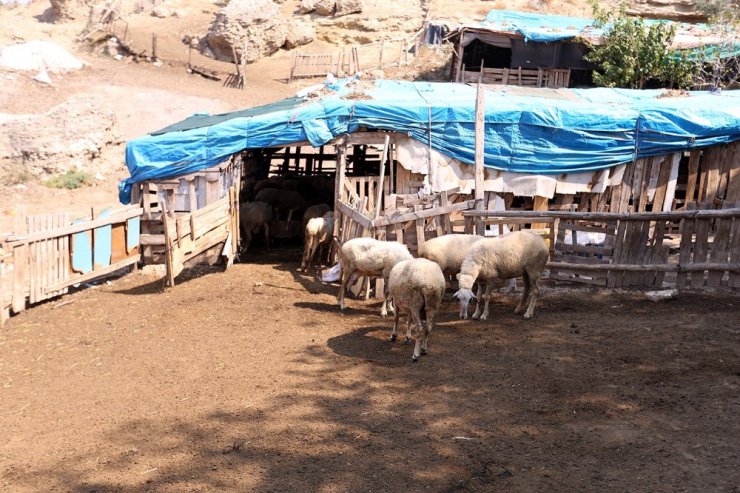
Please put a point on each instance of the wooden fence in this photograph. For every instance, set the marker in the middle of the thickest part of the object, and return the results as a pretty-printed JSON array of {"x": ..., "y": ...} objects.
[
  {"x": 635, "y": 249},
  {"x": 48, "y": 253},
  {"x": 350, "y": 60},
  {"x": 538, "y": 77}
]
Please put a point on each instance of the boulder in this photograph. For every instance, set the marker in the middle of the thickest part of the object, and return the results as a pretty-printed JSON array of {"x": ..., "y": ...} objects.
[
  {"x": 69, "y": 9},
  {"x": 678, "y": 10},
  {"x": 301, "y": 33},
  {"x": 161, "y": 11},
  {"x": 67, "y": 137},
  {"x": 346, "y": 7},
  {"x": 306, "y": 6},
  {"x": 325, "y": 7},
  {"x": 259, "y": 23}
]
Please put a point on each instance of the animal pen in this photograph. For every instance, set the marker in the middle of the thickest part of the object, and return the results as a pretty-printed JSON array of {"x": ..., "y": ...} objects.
[{"x": 406, "y": 162}]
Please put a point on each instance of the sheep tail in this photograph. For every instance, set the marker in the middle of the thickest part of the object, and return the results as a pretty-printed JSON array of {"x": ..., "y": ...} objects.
[{"x": 423, "y": 310}]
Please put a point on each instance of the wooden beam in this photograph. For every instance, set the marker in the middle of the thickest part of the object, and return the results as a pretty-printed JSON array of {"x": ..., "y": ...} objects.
[
  {"x": 386, "y": 151},
  {"x": 480, "y": 115},
  {"x": 412, "y": 216},
  {"x": 609, "y": 216},
  {"x": 697, "y": 267},
  {"x": 355, "y": 215},
  {"x": 118, "y": 217}
]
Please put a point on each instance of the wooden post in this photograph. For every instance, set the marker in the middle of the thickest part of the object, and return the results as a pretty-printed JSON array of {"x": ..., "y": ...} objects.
[
  {"x": 386, "y": 152},
  {"x": 154, "y": 46},
  {"x": 480, "y": 114},
  {"x": 380, "y": 60}
]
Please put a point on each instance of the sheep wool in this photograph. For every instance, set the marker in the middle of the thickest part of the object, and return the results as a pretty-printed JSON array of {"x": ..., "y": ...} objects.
[
  {"x": 520, "y": 253},
  {"x": 416, "y": 287}
]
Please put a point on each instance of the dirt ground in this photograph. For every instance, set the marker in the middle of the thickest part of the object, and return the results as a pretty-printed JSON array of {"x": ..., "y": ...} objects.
[{"x": 251, "y": 380}]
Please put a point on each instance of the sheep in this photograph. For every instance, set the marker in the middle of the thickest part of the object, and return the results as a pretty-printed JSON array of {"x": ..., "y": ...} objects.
[
  {"x": 319, "y": 231},
  {"x": 416, "y": 287},
  {"x": 369, "y": 257},
  {"x": 253, "y": 217},
  {"x": 521, "y": 253},
  {"x": 449, "y": 251},
  {"x": 317, "y": 210},
  {"x": 281, "y": 200}
]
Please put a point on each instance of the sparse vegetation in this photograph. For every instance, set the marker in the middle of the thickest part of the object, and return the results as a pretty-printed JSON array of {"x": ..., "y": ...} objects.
[
  {"x": 17, "y": 174},
  {"x": 70, "y": 180}
]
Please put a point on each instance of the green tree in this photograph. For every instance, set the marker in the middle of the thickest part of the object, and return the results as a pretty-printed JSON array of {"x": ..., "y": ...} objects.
[{"x": 634, "y": 51}]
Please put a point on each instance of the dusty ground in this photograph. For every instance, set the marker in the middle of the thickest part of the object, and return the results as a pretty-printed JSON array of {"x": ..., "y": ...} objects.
[{"x": 251, "y": 380}]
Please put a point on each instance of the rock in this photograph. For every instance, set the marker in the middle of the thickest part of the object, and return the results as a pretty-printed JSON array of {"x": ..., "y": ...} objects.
[
  {"x": 258, "y": 22},
  {"x": 306, "y": 6},
  {"x": 346, "y": 7},
  {"x": 70, "y": 135},
  {"x": 325, "y": 7},
  {"x": 679, "y": 10},
  {"x": 301, "y": 33},
  {"x": 161, "y": 11},
  {"x": 69, "y": 9}
]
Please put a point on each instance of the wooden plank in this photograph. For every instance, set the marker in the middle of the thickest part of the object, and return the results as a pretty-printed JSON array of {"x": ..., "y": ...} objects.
[
  {"x": 701, "y": 241},
  {"x": 692, "y": 267},
  {"x": 720, "y": 251},
  {"x": 412, "y": 216},
  {"x": 614, "y": 279},
  {"x": 693, "y": 171},
  {"x": 420, "y": 238},
  {"x": 479, "y": 153},
  {"x": 607, "y": 216},
  {"x": 96, "y": 274},
  {"x": 734, "y": 278},
  {"x": 714, "y": 157},
  {"x": 117, "y": 216},
  {"x": 733, "y": 183}
]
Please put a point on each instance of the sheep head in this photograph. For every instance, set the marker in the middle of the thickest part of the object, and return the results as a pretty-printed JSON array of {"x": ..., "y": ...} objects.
[{"x": 464, "y": 295}]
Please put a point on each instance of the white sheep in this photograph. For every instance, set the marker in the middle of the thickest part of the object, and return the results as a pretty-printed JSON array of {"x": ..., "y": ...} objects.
[
  {"x": 253, "y": 217},
  {"x": 449, "y": 251},
  {"x": 372, "y": 258},
  {"x": 416, "y": 287},
  {"x": 521, "y": 253},
  {"x": 316, "y": 210},
  {"x": 319, "y": 231}
]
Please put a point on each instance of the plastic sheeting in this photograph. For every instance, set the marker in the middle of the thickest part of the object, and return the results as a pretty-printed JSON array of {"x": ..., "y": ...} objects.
[{"x": 594, "y": 129}]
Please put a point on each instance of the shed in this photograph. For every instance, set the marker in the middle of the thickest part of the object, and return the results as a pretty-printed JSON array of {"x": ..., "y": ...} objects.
[
  {"x": 399, "y": 157},
  {"x": 544, "y": 50}
]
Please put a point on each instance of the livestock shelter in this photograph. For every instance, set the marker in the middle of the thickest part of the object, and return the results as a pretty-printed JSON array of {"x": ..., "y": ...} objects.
[
  {"x": 400, "y": 158},
  {"x": 543, "y": 50}
]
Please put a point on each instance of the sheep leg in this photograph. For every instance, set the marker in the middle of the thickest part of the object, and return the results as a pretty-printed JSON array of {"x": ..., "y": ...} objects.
[
  {"x": 267, "y": 236},
  {"x": 535, "y": 292},
  {"x": 488, "y": 295},
  {"x": 346, "y": 276},
  {"x": 395, "y": 327},
  {"x": 386, "y": 302},
  {"x": 306, "y": 249},
  {"x": 427, "y": 332},
  {"x": 419, "y": 335},
  {"x": 407, "y": 339},
  {"x": 479, "y": 306},
  {"x": 527, "y": 290}
]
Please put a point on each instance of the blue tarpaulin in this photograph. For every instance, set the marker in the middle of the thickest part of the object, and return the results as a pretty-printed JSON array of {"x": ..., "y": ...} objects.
[{"x": 539, "y": 131}]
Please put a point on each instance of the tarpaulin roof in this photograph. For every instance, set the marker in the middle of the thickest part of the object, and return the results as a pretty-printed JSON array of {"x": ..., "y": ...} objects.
[{"x": 532, "y": 132}]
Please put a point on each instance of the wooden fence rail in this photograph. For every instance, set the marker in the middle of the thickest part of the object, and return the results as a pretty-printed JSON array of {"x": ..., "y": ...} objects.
[
  {"x": 46, "y": 254},
  {"x": 636, "y": 250}
]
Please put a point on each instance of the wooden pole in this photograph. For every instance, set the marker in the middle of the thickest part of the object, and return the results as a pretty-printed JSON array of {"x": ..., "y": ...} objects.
[
  {"x": 480, "y": 115},
  {"x": 380, "y": 60},
  {"x": 154, "y": 46},
  {"x": 386, "y": 152}
]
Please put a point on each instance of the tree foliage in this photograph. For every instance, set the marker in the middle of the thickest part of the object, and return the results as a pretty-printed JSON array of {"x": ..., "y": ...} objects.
[
  {"x": 634, "y": 52},
  {"x": 715, "y": 67}
]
